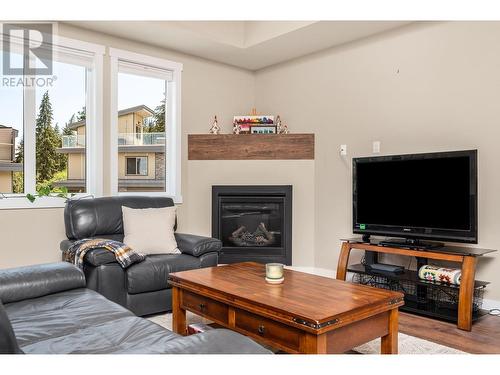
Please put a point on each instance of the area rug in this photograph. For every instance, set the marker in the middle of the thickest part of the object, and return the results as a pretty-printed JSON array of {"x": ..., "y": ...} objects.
[{"x": 407, "y": 344}]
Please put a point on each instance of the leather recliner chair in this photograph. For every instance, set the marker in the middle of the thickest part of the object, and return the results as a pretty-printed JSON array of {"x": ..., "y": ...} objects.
[{"x": 142, "y": 287}]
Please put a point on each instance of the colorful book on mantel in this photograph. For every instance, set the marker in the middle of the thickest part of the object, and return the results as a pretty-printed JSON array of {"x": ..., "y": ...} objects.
[{"x": 254, "y": 120}]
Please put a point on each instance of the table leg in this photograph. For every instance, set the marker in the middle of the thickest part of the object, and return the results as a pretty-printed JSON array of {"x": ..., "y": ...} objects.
[
  {"x": 343, "y": 260},
  {"x": 313, "y": 344},
  {"x": 178, "y": 313},
  {"x": 466, "y": 294},
  {"x": 390, "y": 341}
]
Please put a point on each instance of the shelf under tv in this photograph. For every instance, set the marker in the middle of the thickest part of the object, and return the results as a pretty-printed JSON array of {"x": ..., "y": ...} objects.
[
  {"x": 426, "y": 297},
  {"x": 465, "y": 299},
  {"x": 408, "y": 275}
]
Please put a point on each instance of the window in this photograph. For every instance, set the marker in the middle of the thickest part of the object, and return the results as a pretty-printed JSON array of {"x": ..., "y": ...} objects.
[
  {"x": 137, "y": 166},
  {"x": 61, "y": 119},
  {"x": 48, "y": 130},
  {"x": 11, "y": 131},
  {"x": 145, "y": 102}
]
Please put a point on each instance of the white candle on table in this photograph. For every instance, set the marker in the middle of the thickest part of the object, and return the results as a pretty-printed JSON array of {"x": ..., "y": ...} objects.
[{"x": 274, "y": 270}]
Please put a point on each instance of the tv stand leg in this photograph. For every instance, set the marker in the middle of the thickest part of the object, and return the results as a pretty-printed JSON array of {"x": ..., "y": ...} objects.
[
  {"x": 466, "y": 293},
  {"x": 343, "y": 260}
]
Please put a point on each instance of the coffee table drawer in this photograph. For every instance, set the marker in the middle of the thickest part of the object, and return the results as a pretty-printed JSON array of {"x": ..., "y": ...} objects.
[
  {"x": 268, "y": 329},
  {"x": 205, "y": 306}
]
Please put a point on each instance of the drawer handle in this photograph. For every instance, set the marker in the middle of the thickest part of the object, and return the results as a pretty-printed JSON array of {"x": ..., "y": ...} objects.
[
  {"x": 261, "y": 329},
  {"x": 202, "y": 306}
]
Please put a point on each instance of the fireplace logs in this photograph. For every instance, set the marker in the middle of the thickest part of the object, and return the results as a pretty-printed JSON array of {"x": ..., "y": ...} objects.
[{"x": 261, "y": 236}]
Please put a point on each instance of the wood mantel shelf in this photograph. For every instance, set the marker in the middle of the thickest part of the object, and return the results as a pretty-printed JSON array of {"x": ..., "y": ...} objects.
[{"x": 250, "y": 146}]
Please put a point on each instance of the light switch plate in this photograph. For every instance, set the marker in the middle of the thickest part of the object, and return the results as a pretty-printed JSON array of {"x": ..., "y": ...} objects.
[
  {"x": 376, "y": 147},
  {"x": 343, "y": 150}
]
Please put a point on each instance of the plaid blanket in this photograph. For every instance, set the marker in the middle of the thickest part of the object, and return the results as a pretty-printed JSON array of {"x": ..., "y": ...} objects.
[{"x": 124, "y": 254}]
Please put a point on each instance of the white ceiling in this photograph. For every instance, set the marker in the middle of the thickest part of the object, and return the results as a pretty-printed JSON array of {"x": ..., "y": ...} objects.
[{"x": 247, "y": 44}]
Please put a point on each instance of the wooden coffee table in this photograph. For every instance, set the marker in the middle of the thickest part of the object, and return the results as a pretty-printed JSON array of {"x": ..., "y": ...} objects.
[{"x": 305, "y": 314}]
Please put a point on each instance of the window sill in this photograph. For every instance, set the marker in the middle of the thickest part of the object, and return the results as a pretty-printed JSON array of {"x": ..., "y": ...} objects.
[{"x": 14, "y": 203}]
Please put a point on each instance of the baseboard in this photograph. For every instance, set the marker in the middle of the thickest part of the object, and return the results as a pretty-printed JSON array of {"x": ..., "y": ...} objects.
[
  {"x": 488, "y": 304},
  {"x": 315, "y": 271}
]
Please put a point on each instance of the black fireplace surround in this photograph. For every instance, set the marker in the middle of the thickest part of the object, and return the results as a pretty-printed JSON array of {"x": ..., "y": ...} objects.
[{"x": 254, "y": 222}]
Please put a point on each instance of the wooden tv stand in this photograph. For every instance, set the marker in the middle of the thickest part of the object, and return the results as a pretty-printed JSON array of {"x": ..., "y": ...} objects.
[{"x": 466, "y": 256}]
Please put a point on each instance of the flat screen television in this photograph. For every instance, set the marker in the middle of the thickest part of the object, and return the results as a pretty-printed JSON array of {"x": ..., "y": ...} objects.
[{"x": 419, "y": 196}]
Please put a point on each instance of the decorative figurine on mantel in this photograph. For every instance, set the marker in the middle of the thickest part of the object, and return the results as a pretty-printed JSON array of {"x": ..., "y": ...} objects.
[
  {"x": 236, "y": 128},
  {"x": 278, "y": 124},
  {"x": 280, "y": 127},
  {"x": 215, "y": 129}
]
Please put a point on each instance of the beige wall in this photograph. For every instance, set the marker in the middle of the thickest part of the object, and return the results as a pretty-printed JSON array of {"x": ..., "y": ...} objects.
[
  {"x": 30, "y": 236},
  {"x": 422, "y": 88}
]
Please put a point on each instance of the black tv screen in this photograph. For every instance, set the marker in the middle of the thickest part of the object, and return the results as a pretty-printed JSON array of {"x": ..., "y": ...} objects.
[{"x": 428, "y": 196}]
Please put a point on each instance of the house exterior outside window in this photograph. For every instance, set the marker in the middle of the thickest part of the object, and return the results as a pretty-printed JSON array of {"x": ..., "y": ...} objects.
[
  {"x": 137, "y": 165},
  {"x": 133, "y": 144},
  {"x": 8, "y": 166}
]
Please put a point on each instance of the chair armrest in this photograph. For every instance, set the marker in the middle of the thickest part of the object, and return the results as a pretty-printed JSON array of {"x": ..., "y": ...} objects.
[
  {"x": 217, "y": 341},
  {"x": 95, "y": 257},
  {"x": 17, "y": 284},
  {"x": 197, "y": 245}
]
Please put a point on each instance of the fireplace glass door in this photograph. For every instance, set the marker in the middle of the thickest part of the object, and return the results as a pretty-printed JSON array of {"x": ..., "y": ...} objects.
[
  {"x": 251, "y": 222},
  {"x": 254, "y": 223}
]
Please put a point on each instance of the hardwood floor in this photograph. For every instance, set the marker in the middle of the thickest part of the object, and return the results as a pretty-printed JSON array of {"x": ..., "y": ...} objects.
[{"x": 483, "y": 339}]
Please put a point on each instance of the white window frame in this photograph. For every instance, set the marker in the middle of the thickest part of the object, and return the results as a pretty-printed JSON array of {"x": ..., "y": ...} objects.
[
  {"x": 94, "y": 146},
  {"x": 172, "y": 128}
]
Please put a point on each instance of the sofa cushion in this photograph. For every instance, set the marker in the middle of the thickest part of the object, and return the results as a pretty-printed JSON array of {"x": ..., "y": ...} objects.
[
  {"x": 214, "y": 342},
  {"x": 152, "y": 274},
  {"x": 150, "y": 230},
  {"x": 81, "y": 321},
  {"x": 38, "y": 319},
  {"x": 128, "y": 334},
  {"x": 8, "y": 342}
]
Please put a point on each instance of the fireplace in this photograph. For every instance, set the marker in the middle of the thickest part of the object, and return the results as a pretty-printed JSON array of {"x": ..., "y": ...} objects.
[{"x": 254, "y": 223}]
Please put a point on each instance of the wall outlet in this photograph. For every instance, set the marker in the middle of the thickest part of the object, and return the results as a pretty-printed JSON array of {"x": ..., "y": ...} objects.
[
  {"x": 343, "y": 150},
  {"x": 376, "y": 147}
]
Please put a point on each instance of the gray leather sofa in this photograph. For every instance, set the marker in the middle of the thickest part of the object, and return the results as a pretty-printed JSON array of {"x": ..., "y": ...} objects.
[
  {"x": 143, "y": 287},
  {"x": 48, "y": 310}
]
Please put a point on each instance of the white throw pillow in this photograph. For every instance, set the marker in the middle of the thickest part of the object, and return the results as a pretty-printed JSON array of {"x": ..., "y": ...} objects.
[{"x": 150, "y": 230}]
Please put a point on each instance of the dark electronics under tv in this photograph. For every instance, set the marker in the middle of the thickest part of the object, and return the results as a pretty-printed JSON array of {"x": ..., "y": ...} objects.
[
  {"x": 416, "y": 197},
  {"x": 382, "y": 267}
]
